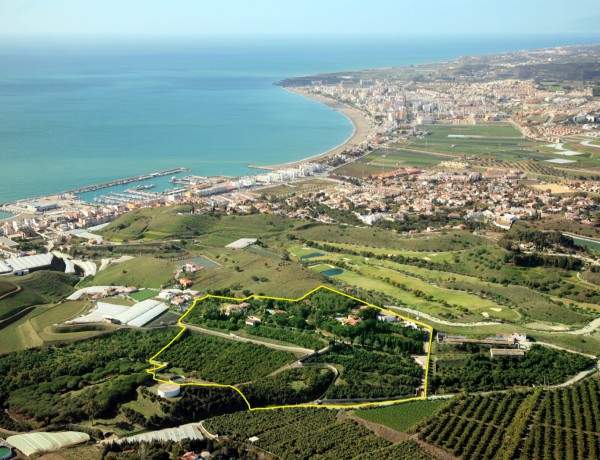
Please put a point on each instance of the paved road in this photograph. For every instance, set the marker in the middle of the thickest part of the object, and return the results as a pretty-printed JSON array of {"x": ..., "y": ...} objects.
[
  {"x": 577, "y": 378},
  {"x": 223, "y": 335},
  {"x": 587, "y": 329},
  {"x": 588, "y": 144},
  {"x": 427, "y": 317}
]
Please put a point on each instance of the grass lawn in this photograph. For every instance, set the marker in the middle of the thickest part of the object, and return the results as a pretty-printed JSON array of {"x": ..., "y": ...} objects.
[
  {"x": 364, "y": 282},
  {"x": 143, "y": 294},
  {"x": 141, "y": 271},
  {"x": 36, "y": 328},
  {"x": 401, "y": 417}
]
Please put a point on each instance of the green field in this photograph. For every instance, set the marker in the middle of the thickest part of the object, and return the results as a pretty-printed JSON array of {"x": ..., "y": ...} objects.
[
  {"x": 143, "y": 294},
  {"x": 256, "y": 273},
  {"x": 38, "y": 327},
  {"x": 41, "y": 287},
  {"x": 382, "y": 161},
  {"x": 402, "y": 417},
  {"x": 140, "y": 271}
]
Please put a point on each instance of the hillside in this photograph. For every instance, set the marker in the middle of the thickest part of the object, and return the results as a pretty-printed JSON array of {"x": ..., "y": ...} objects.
[
  {"x": 141, "y": 271},
  {"x": 37, "y": 288},
  {"x": 157, "y": 224}
]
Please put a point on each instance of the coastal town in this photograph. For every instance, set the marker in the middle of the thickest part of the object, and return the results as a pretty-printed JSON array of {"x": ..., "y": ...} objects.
[{"x": 544, "y": 166}]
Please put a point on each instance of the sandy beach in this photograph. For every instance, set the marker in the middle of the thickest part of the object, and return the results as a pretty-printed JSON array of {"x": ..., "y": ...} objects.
[{"x": 359, "y": 119}]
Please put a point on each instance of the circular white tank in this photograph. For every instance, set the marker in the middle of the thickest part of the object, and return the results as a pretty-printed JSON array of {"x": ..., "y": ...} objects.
[{"x": 167, "y": 390}]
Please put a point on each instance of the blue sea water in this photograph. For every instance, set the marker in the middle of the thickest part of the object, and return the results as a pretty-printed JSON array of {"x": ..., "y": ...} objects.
[{"x": 75, "y": 112}]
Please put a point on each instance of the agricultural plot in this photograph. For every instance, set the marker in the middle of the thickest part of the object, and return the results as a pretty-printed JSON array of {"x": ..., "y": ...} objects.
[
  {"x": 217, "y": 360},
  {"x": 535, "y": 425},
  {"x": 38, "y": 288},
  {"x": 140, "y": 271},
  {"x": 402, "y": 417},
  {"x": 245, "y": 272},
  {"x": 301, "y": 434},
  {"x": 454, "y": 240}
]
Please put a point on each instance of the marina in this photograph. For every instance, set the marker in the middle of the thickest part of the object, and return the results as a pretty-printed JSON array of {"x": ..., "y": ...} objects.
[{"x": 15, "y": 205}]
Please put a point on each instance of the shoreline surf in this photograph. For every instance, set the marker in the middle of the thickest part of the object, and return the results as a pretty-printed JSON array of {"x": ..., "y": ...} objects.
[{"x": 361, "y": 129}]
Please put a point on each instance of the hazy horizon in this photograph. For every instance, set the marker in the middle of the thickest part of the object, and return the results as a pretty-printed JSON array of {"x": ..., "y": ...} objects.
[{"x": 311, "y": 17}]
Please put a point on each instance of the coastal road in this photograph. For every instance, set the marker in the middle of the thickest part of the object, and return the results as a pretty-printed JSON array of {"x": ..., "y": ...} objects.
[{"x": 274, "y": 346}]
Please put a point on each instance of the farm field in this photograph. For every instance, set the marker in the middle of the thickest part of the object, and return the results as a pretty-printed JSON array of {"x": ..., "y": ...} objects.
[
  {"x": 141, "y": 272},
  {"x": 402, "y": 417},
  {"x": 243, "y": 271},
  {"x": 563, "y": 425},
  {"x": 37, "y": 328},
  {"x": 223, "y": 361},
  {"x": 451, "y": 240},
  {"x": 310, "y": 433}
]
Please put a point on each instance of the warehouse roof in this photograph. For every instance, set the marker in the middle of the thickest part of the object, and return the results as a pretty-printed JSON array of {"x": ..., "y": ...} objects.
[
  {"x": 29, "y": 262},
  {"x": 141, "y": 313},
  {"x": 33, "y": 443},
  {"x": 241, "y": 243},
  {"x": 102, "y": 310}
]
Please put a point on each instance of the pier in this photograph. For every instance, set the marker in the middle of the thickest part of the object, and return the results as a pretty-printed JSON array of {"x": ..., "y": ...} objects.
[{"x": 91, "y": 188}]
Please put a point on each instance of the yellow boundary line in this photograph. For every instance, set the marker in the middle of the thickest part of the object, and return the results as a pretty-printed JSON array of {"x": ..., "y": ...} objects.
[{"x": 158, "y": 365}]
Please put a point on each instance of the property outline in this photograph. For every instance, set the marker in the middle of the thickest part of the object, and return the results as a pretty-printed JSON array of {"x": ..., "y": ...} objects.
[{"x": 157, "y": 366}]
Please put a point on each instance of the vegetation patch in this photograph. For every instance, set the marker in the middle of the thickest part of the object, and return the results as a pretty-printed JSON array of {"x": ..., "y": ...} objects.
[
  {"x": 141, "y": 271},
  {"x": 402, "y": 417}
]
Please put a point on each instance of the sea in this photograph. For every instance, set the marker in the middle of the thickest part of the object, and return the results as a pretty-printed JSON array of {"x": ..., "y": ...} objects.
[{"x": 77, "y": 111}]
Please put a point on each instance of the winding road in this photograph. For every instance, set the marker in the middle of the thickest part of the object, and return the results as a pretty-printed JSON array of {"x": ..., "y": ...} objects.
[{"x": 587, "y": 329}]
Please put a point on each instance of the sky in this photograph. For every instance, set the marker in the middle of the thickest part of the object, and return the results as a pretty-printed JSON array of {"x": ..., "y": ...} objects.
[{"x": 299, "y": 18}]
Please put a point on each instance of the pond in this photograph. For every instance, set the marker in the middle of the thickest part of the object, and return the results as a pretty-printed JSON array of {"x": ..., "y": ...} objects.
[
  {"x": 333, "y": 272},
  {"x": 312, "y": 255}
]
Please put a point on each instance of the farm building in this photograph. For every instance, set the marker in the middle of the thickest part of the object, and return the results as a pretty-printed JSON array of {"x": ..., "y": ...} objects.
[
  {"x": 386, "y": 317},
  {"x": 35, "y": 443},
  {"x": 501, "y": 352},
  {"x": 242, "y": 243},
  {"x": 488, "y": 341},
  {"x": 141, "y": 313}
]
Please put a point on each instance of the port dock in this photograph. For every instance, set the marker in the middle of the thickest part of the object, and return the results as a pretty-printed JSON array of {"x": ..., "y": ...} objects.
[{"x": 91, "y": 188}]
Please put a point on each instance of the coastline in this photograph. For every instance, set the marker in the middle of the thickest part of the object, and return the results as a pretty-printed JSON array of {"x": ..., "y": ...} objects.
[{"x": 360, "y": 133}]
